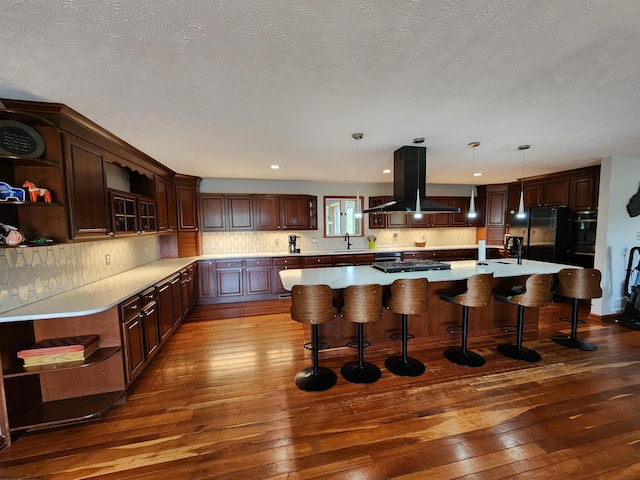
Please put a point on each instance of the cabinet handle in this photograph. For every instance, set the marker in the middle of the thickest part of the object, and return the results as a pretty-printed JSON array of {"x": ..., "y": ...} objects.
[
  {"x": 111, "y": 234},
  {"x": 133, "y": 307},
  {"x": 149, "y": 312}
]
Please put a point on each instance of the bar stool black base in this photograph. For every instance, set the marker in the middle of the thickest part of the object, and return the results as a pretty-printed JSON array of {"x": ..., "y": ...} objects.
[
  {"x": 574, "y": 343},
  {"x": 519, "y": 353},
  {"x": 468, "y": 359},
  {"x": 352, "y": 372},
  {"x": 409, "y": 368},
  {"x": 315, "y": 382}
]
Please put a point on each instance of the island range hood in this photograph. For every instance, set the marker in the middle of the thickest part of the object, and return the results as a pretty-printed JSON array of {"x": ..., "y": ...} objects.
[{"x": 409, "y": 177}]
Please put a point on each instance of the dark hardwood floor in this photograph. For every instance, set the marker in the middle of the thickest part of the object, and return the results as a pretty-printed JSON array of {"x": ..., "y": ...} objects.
[{"x": 219, "y": 402}]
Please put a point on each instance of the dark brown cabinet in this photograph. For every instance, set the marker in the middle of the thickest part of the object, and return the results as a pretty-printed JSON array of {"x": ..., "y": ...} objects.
[
  {"x": 240, "y": 212},
  {"x": 132, "y": 338},
  {"x": 285, "y": 212},
  {"x": 164, "y": 310},
  {"x": 187, "y": 289},
  {"x": 219, "y": 213},
  {"x": 165, "y": 195},
  {"x": 150, "y": 325},
  {"x": 212, "y": 213},
  {"x": 584, "y": 190},
  {"x": 257, "y": 277},
  {"x": 283, "y": 263},
  {"x": 86, "y": 183},
  {"x": 206, "y": 281},
  {"x": 186, "y": 202},
  {"x": 556, "y": 193}
]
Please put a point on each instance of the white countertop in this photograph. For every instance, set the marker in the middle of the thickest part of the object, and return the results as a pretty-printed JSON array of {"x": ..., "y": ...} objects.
[
  {"x": 341, "y": 277},
  {"x": 98, "y": 296},
  {"x": 312, "y": 253}
]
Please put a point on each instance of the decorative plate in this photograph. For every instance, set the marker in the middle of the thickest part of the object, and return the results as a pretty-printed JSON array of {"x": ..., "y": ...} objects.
[{"x": 19, "y": 139}]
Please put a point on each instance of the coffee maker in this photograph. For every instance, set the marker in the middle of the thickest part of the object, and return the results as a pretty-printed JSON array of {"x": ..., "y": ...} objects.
[{"x": 292, "y": 244}]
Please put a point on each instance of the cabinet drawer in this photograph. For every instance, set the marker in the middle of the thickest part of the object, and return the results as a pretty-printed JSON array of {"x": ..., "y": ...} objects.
[
  {"x": 147, "y": 297},
  {"x": 262, "y": 262},
  {"x": 413, "y": 255},
  {"x": 287, "y": 262},
  {"x": 130, "y": 309},
  {"x": 229, "y": 264},
  {"x": 324, "y": 261}
]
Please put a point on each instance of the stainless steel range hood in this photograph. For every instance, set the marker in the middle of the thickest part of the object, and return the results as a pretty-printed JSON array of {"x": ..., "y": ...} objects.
[{"x": 409, "y": 176}]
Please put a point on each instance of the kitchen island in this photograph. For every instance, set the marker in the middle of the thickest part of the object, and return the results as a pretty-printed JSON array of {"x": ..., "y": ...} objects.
[{"x": 441, "y": 316}]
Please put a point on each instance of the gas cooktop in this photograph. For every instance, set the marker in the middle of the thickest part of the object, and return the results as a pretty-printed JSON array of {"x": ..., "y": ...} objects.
[{"x": 411, "y": 266}]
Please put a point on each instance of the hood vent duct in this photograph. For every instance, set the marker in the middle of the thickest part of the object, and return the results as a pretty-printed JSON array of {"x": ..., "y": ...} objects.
[{"x": 409, "y": 178}]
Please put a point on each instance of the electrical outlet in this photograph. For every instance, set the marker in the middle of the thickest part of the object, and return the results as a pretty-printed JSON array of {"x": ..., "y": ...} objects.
[
  {"x": 637, "y": 235},
  {"x": 424, "y": 237},
  {"x": 107, "y": 259},
  {"x": 277, "y": 241},
  {"x": 395, "y": 236},
  {"x": 314, "y": 240}
]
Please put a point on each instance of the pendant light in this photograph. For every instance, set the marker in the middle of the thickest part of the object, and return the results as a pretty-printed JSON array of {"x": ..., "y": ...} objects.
[
  {"x": 472, "y": 202},
  {"x": 418, "y": 213},
  {"x": 521, "y": 213},
  {"x": 357, "y": 137}
]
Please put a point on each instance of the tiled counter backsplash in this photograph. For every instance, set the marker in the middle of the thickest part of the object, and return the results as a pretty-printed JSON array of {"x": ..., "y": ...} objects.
[
  {"x": 33, "y": 273},
  {"x": 277, "y": 242}
]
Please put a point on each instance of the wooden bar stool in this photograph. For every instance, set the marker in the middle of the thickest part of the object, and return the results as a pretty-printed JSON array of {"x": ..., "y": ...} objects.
[
  {"x": 577, "y": 284},
  {"x": 478, "y": 294},
  {"x": 313, "y": 304},
  {"x": 408, "y": 297},
  {"x": 362, "y": 304},
  {"x": 534, "y": 294}
]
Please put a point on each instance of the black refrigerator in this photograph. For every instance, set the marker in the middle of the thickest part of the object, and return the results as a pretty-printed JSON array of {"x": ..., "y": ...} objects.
[{"x": 545, "y": 232}]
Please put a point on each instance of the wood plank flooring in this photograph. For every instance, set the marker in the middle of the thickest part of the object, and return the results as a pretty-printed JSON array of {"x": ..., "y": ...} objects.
[{"x": 219, "y": 402}]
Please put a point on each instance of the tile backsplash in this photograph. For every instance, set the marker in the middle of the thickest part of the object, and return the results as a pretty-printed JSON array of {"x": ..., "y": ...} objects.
[
  {"x": 30, "y": 274},
  {"x": 277, "y": 242}
]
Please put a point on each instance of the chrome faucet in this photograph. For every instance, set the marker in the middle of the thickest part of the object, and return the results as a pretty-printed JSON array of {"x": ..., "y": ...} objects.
[
  {"x": 517, "y": 242},
  {"x": 346, "y": 239}
]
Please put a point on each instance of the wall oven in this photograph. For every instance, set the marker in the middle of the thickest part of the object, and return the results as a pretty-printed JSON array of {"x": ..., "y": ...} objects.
[{"x": 583, "y": 238}]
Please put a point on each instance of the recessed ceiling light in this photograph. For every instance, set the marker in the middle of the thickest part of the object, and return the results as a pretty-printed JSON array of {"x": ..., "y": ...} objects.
[
  {"x": 477, "y": 174},
  {"x": 386, "y": 170},
  {"x": 274, "y": 167}
]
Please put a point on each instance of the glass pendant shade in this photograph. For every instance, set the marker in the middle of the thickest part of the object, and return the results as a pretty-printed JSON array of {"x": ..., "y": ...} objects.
[
  {"x": 521, "y": 205},
  {"x": 472, "y": 206},
  {"x": 521, "y": 213},
  {"x": 357, "y": 137},
  {"x": 418, "y": 213}
]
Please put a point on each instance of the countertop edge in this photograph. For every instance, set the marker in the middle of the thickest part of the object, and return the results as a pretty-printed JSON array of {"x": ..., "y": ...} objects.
[{"x": 100, "y": 295}]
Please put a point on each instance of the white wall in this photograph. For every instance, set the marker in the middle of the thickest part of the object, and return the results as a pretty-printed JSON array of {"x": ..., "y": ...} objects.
[
  {"x": 617, "y": 231},
  {"x": 225, "y": 185}
]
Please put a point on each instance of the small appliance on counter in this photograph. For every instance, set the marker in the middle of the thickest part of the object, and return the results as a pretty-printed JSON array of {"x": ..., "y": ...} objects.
[{"x": 292, "y": 244}]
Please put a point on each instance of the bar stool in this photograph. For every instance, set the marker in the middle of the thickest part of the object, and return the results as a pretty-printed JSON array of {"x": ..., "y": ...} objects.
[
  {"x": 362, "y": 304},
  {"x": 577, "y": 284},
  {"x": 408, "y": 297},
  {"x": 534, "y": 294},
  {"x": 478, "y": 294},
  {"x": 313, "y": 304}
]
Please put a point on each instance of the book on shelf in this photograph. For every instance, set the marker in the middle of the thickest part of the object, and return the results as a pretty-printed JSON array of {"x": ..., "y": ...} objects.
[{"x": 58, "y": 350}]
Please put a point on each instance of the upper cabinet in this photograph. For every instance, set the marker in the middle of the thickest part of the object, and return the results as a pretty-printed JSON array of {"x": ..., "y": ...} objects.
[
  {"x": 246, "y": 212},
  {"x": 97, "y": 185},
  {"x": 285, "y": 212},
  {"x": 584, "y": 190}
]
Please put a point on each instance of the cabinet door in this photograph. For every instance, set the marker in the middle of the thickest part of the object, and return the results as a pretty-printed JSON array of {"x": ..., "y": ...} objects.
[
  {"x": 267, "y": 212},
  {"x": 294, "y": 210},
  {"x": 151, "y": 330},
  {"x": 584, "y": 193},
  {"x": 461, "y": 218},
  {"x": 147, "y": 216},
  {"x": 176, "y": 300},
  {"x": 133, "y": 344},
  {"x": 556, "y": 193},
  {"x": 206, "y": 280},
  {"x": 257, "y": 276},
  {"x": 240, "y": 212},
  {"x": 212, "y": 213},
  {"x": 87, "y": 189},
  {"x": 172, "y": 208},
  {"x": 186, "y": 199},
  {"x": 283, "y": 263},
  {"x": 229, "y": 279},
  {"x": 162, "y": 214},
  {"x": 533, "y": 194},
  {"x": 440, "y": 219},
  {"x": 184, "y": 289},
  {"x": 496, "y": 208},
  {"x": 163, "y": 305},
  {"x": 124, "y": 213}
]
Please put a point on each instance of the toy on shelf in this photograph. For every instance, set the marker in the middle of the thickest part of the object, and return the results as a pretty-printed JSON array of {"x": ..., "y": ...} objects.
[
  {"x": 35, "y": 192},
  {"x": 7, "y": 192},
  {"x": 10, "y": 235}
]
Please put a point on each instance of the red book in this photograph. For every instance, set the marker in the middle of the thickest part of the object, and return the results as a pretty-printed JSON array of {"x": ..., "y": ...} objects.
[{"x": 56, "y": 346}]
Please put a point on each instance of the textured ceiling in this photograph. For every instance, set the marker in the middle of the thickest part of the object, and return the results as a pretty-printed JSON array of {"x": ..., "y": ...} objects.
[{"x": 225, "y": 88}]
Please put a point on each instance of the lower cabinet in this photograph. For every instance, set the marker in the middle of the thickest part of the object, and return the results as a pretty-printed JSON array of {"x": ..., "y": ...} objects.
[{"x": 235, "y": 280}]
